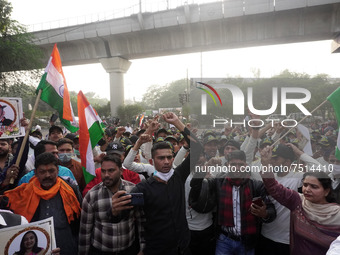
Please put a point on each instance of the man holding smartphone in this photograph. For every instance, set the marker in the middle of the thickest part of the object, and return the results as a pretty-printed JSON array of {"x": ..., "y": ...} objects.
[
  {"x": 239, "y": 216},
  {"x": 108, "y": 221},
  {"x": 166, "y": 228}
]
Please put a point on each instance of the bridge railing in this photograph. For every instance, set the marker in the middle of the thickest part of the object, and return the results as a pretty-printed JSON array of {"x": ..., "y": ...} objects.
[
  {"x": 140, "y": 6},
  {"x": 205, "y": 9}
]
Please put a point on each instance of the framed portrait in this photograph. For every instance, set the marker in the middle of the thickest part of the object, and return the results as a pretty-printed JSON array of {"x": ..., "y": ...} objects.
[
  {"x": 37, "y": 237},
  {"x": 10, "y": 114}
]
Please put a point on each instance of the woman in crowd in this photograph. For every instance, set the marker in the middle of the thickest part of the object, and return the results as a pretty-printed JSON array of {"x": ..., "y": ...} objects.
[{"x": 315, "y": 218}]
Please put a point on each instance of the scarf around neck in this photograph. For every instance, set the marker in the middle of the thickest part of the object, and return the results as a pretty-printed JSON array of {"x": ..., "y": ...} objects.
[
  {"x": 325, "y": 214},
  {"x": 25, "y": 199},
  {"x": 226, "y": 214},
  {"x": 164, "y": 176}
]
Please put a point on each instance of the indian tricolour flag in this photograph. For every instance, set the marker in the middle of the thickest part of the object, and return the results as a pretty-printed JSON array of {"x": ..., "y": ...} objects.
[
  {"x": 334, "y": 98},
  {"x": 90, "y": 132},
  {"x": 55, "y": 92}
]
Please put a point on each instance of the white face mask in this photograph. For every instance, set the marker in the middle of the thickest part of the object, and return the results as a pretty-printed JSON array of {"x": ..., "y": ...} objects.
[
  {"x": 164, "y": 176},
  {"x": 336, "y": 171},
  {"x": 65, "y": 157}
]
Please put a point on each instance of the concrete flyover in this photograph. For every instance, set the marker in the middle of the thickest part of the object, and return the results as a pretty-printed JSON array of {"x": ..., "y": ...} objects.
[{"x": 191, "y": 28}]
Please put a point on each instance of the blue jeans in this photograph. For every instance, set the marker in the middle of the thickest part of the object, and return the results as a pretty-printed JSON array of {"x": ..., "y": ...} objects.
[{"x": 227, "y": 246}]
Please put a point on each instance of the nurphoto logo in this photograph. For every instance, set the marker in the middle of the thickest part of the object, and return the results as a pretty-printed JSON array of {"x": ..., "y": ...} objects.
[{"x": 287, "y": 96}]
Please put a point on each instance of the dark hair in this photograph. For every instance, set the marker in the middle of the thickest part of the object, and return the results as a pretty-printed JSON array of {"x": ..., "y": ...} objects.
[
  {"x": 140, "y": 132},
  {"x": 7, "y": 140},
  {"x": 14, "y": 143},
  {"x": 35, "y": 248},
  {"x": 53, "y": 128},
  {"x": 36, "y": 132},
  {"x": 325, "y": 181},
  {"x": 159, "y": 146},
  {"x": 46, "y": 158},
  {"x": 113, "y": 158},
  {"x": 232, "y": 142},
  {"x": 40, "y": 147},
  {"x": 63, "y": 141},
  {"x": 237, "y": 154},
  {"x": 4, "y": 202}
]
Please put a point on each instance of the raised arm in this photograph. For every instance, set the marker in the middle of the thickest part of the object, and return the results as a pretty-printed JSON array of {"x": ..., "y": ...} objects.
[
  {"x": 287, "y": 197},
  {"x": 138, "y": 167},
  {"x": 195, "y": 147}
]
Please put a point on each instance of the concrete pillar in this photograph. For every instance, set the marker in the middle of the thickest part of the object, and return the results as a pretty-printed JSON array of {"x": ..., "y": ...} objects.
[
  {"x": 335, "y": 47},
  {"x": 116, "y": 67}
]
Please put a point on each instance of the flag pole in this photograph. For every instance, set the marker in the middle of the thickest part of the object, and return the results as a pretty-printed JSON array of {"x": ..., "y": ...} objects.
[
  {"x": 30, "y": 124},
  {"x": 306, "y": 116}
]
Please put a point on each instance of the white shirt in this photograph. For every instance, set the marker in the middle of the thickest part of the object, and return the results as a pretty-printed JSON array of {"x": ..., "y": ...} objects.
[
  {"x": 236, "y": 230},
  {"x": 334, "y": 249},
  {"x": 128, "y": 129},
  {"x": 196, "y": 221},
  {"x": 137, "y": 167},
  {"x": 237, "y": 210}
]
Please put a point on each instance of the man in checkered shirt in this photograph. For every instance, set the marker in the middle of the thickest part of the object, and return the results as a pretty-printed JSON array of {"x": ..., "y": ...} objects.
[{"x": 108, "y": 224}]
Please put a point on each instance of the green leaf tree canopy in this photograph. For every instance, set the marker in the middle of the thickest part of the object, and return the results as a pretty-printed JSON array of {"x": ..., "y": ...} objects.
[{"x": 17, "y": 50}]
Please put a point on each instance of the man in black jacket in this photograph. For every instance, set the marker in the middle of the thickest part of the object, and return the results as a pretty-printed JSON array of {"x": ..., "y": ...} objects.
[
  {"x": 166, "y": 228},
  {"x": 238, "y": 217}
]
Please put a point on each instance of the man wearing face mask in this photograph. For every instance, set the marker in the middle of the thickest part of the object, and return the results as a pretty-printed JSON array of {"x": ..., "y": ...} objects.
[
  {"x": 335, "y": 175},
  {"x": 65, "y": 148}
]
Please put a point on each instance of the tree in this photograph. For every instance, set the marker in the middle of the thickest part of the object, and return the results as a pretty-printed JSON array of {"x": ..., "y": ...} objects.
[
  {"x": 103, "y": 110},
  {"x": 18, "y": 52},
  {"x": 17, "y": 49},
  {"x": 165, "y": 96},
  {"x": 126, "y": 113}
]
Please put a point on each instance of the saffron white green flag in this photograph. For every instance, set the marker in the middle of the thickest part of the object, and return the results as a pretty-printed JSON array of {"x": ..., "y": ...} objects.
[
  {"x": 334, "y": 98},
  {"x": 90, "y": 132},
  {"x": 55, "y": 91}
]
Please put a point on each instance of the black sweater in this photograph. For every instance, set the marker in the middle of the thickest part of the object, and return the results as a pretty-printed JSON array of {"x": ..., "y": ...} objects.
[{"x": 166, "y": 228}]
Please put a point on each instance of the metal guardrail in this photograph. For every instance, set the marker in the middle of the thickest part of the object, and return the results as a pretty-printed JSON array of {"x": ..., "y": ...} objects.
[
  {"x": 140, "y": 6},
  {"x": 152, "y": 6}
]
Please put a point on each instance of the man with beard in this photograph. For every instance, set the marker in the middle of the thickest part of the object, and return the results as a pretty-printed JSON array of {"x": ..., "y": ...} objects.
[
  {"x": 47, "y": 195},
  {"x": 238, "y": 217},
  {"x": 108, "y": 224},
  {"x": 5, "y": 160}
]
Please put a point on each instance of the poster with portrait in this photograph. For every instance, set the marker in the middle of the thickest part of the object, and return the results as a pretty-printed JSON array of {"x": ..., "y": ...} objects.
[
  {"x": 10, "y": 115},
  {"x": 37, "y": 237}
]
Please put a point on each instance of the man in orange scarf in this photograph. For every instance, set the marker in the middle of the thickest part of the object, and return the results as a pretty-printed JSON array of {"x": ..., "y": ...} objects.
[{"x": 47, "y": 195}]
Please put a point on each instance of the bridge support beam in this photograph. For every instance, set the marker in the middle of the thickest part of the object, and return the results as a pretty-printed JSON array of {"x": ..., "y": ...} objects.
[
  {"x": 116, "y": 67},
  {"x": 336, "y": 44}
]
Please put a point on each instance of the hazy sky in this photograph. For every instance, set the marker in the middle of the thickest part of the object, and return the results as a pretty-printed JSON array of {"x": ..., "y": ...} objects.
[{"x": 311, "y": 58}]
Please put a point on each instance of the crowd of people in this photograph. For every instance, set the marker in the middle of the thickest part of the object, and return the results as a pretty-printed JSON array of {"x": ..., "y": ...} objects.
[{"x": 168, "y": 188}]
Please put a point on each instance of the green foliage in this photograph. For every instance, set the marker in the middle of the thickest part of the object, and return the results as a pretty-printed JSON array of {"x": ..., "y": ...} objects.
[
  {"x": 20, "y": 84},
  {"x": 95, "y": 100},
  {"x": 165, "y": 96},
  {"x": 127, "y": 113},
  {"x": 17, "y": 49},
  {"x": 103, "y": 110}
]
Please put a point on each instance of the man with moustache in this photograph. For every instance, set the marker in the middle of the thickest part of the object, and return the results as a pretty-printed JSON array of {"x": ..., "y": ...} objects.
[
  {"x": 5, "y": 160},
  {"x": 108, "y": 225},
  {"x": 238, "y": 217},
  {"x": 47, "y": 195}
]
